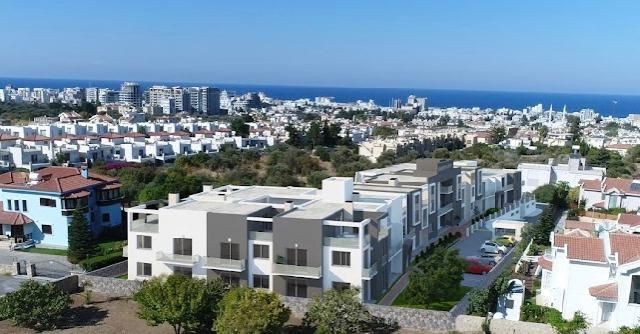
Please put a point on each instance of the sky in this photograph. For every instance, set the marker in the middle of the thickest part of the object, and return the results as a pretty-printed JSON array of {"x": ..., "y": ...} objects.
[{"x": 572, "y": 46}]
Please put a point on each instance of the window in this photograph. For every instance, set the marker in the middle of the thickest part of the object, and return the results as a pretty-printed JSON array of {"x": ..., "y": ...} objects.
[
  {"x": 261, "y": 281},
  {"x": 261, "y": 251},
  {"x": 473, "y": 191},
  {"x": 340, "y": 285},
  {"x": 425, "y": 218},
  {"x": 47, "y": 229},
  {"x": 9, "y": 205},
  {"x": 634, "y": 297},
  {"x": 105, "y": 218},
  {"x": 296, "y": 257},
  {"x": 143, "y": 269},
  {"x": 143, "y": 242},
  {"x": 182, "y": 271},
  {"x": 229, "y": 251},
  {"x": 432, "y": 198},
  {"x": 341, "y": 258},
  {"x": 296, "y": 288},
  {"x": 459, "y": 187},
  {"x": 16, "y": 205},
  {"x": 48, "y": 202},
  {"x": 416, "y": 209},
  {"x": 230, "y": 279},
  {"x": 182, "y": 246},
  {"x": 24, "y": 205}
]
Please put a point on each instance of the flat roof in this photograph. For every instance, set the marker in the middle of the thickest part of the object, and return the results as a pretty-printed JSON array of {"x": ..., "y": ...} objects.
[
  {"x": 315, "y": 210},
  {"x": 384, "y": 187},
  {"x": 218, "y": 207}
]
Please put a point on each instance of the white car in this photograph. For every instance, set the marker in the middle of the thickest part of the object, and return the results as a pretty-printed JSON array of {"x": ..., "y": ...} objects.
[{"x": 492, "y": 247}]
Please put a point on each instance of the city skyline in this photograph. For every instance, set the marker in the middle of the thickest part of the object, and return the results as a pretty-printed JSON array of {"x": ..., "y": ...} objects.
[{"x": 541, "y": 47}]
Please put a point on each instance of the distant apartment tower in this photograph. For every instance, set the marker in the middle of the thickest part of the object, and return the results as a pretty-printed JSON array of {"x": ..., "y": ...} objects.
[
  {"x": 131, "y": 94},
  {"x": 92, "y": 94},
  {"x": 158, "y": 95},
  {"x": 106, "y": 95},
  {"x": 205, "y": 100}
]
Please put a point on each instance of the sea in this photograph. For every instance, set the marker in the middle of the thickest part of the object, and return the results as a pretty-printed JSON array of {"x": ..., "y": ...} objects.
[{"x": 606, "y": 105}]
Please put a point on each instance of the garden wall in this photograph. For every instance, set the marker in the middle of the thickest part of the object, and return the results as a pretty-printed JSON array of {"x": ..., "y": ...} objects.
[
  {"x": 114, "y": 270},
  {"x": 111, "y": 286}
]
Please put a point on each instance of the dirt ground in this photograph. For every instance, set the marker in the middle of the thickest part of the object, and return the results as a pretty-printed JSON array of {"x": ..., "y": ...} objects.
[{"x": 114, "y": 316}]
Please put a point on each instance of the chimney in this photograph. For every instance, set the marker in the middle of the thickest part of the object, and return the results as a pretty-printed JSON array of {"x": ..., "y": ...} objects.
[
  {"x": 174, "y": 199},
  {"x": 394, "y": 182},
  {"x": 84, "y": 171},
  {"x": 348, "y": 208},
  {"x": 288, "y": 206},
  {"x": 206, "y": 188}
]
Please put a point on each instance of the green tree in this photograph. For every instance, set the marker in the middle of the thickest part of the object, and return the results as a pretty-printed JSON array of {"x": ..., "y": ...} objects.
[
  {"x": 545, "y": 193},
  {"x": 435, "y": 277},
  {"x": 444, "y": 120},
  {"x": 314, "y": 135},
  {"x": 479, "y": 302},
  {"x": 498, "y": 134},
  {"x": 240, "y": 127},
  {"x": 341, "y": 312},
  {"x": 249, "y": 311},
  {"x": 573, "y": 122},
  {"x": 440, "y": 153},
  {"x": 296, "y": 137},
  {"x": 185, "y": 303},
  {"x": 34, "y": 305},
  {"x": 315, "y": 179},
  {"x": 81, "y": 245},
  {"x": 384, "y": 132},
  {"x": 543, "y": 131},
  {"x": 323, "y": 154},
  {"x": 546, "y": 224}
]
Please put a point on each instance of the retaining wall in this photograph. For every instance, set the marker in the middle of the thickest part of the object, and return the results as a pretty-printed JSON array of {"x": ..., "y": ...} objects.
[
  {"x": 111, "y": 286},
  {"x": 114, "y": 270}
]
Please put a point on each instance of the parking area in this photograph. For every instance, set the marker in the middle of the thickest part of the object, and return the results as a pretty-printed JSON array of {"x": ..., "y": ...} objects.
[
  {"x": 471, "y": 247},
  {"x": 9, "y": 284}
]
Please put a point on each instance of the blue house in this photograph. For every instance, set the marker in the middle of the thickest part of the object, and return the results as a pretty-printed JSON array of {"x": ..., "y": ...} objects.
[{"x": 39, "y": 205}]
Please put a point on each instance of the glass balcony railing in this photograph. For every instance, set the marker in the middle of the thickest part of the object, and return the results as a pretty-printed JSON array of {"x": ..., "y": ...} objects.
[
  {"x": 150, "y": 225},
  {"x": 368, "y": 273},
  {"x": 348, "y": 242},
  {"x": 446, "y": 189},
  {"x": 182, "y": 260},
  {"x": 224, "y": 264},
  {"x": 261, "y": 236},
  {"x": 296, "y": 271}
]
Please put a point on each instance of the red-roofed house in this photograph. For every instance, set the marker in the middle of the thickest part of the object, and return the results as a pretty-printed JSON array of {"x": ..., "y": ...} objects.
[
  {"x": 39, "y": 205},
  {"x": 599, "y": 277},
  {"x": 611, "y": 193}
]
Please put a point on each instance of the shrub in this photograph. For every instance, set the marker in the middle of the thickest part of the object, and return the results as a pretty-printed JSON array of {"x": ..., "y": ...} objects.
[
  {"x": 262, "y": 312},
  {"x": 34, "y": 305},
  {"x": 479, "y": 302},
  {"x": 101, "y": 261}
]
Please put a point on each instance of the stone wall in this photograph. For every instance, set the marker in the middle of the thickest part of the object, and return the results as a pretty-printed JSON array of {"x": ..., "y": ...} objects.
[
  {"x": 111, "y": 286},
  {"x": 503, "y": 326},
  {"x": 469, "y": 324},
  {"x": 68, "y": 284},
  {"x": 8, "y": 269},
  {"x": 114, "y": 270}
]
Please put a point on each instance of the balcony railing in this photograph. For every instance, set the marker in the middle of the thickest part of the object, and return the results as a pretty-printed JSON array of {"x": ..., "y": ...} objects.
[
  {"x": 446, "y": 189},
  {"x": 224, "y": 264},
  {"x": 345, "y": 242},
  {"x": 145, "y": 226},
  {"x": 261, "y": 236},
  {"x": 297, "y": 271},
  {"x": 181, "y": 260},
  {"x": 368, "y": 273},
  {"x": 445, "y": 208}
]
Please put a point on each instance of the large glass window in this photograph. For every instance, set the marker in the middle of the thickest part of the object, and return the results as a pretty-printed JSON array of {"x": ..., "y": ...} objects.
[
  {"x": 182, "y": 246},
  {"x": 341, "y": 258},
  {"x": 261, "y": 251},
  {"x": 296, "y": 257},
  {"x": 634, "y": 296},
  {"x": 230, "y": 251},
  {"x": 48, "y": 202},
  {"x": 143, "y": 269},
  {"x": 296, "y": 288},
  {"x": 143, "y": 242},
  {"x": 261, "y": 281}
]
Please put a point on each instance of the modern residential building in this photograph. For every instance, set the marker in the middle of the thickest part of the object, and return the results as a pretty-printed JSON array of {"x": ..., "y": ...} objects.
[
  {"x": 205, "y": 100},
  {"x": 293, "y": 241},
  {"x": 597, "y": 276},
  {"x": 38, "y": 205},
  {"x": 611, "y": 193},
  {"x": 535, "y": 175},
  {"x": 131, "y": 94}
]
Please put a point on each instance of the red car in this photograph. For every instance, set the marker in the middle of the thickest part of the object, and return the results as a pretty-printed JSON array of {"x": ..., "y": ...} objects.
[{"x": 475, "y": 266}]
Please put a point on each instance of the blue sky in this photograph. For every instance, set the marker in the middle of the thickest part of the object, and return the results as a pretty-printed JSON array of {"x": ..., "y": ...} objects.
[{"x": 543, "y": 45}]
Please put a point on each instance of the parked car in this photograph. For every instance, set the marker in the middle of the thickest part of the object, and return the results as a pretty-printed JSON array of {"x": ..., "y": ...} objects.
[
  {"x": 506, "y": 240},
  {"x": 475, "y": 266},
  {"x": 492, "y": 247},
  {"x": 489, "y": 259}
]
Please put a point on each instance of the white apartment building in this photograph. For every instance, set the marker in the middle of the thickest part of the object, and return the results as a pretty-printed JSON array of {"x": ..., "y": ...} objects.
[
  {"x": 611, "y": 193},
  {"x": 293, "y": 241}
]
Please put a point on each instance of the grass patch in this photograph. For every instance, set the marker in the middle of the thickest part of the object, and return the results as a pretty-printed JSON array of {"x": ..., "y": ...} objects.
[
  {"x": 125, "y": 276},
  {"x": 48, "y": 251},
  {"x": 454, "y": 298}
]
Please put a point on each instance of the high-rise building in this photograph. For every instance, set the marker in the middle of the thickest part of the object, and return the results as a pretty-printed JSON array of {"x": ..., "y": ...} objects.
[
  {"x": 106, "y": 95},
  {"x": 131, "y": 94},
  {"x": 92, "y": 94},
  {"x": 205, "y": 99},
  {"x": 178, "y": 94}
]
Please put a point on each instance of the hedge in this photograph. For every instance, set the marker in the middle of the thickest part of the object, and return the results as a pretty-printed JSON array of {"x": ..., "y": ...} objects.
[{"x": 101, "y": 261}]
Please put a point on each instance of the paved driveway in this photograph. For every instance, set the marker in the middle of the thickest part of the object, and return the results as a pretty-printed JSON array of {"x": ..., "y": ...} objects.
[
  {"x": 46, "y": 265},
  {"x": 471, "y": 247},
  {"x": 9, "y": 284}
]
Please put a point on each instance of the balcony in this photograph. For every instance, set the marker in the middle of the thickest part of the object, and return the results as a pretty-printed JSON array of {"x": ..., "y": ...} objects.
[
  {"x": 368, "y": 273},
  {"x": 384, "y": 232},
  {"x": 446, "y": 189},
  {"x": 224, "y": 264},
  {"x": 149, "y": 225},
  {"x": 297, "y": 271},
  {"x": 445, "y": 208},
  {"x": 344, "y": 242},
  {"x": 176, "y": 259},
  {"x": 261, "y": 236}
]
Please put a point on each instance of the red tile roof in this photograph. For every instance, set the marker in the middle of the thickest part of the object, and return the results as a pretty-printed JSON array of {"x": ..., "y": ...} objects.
[
  {"x": 78, "y": 194},
  {"x": 13, "y": 218},
  {"x": 629, "y": 219},
  {"x": 575, "y": 224},
  {"x": 609, "y": 184},
  {"x": 626, "y": 245},
  {"x": 35, "y": 138},
  {"x": 545, "y": 263},
  {"x": 605, "y": 291},
  {"x": 580, "y": 247},
  {"x": 6, "y": 136},
  {"x": 54, "y": 179}
]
